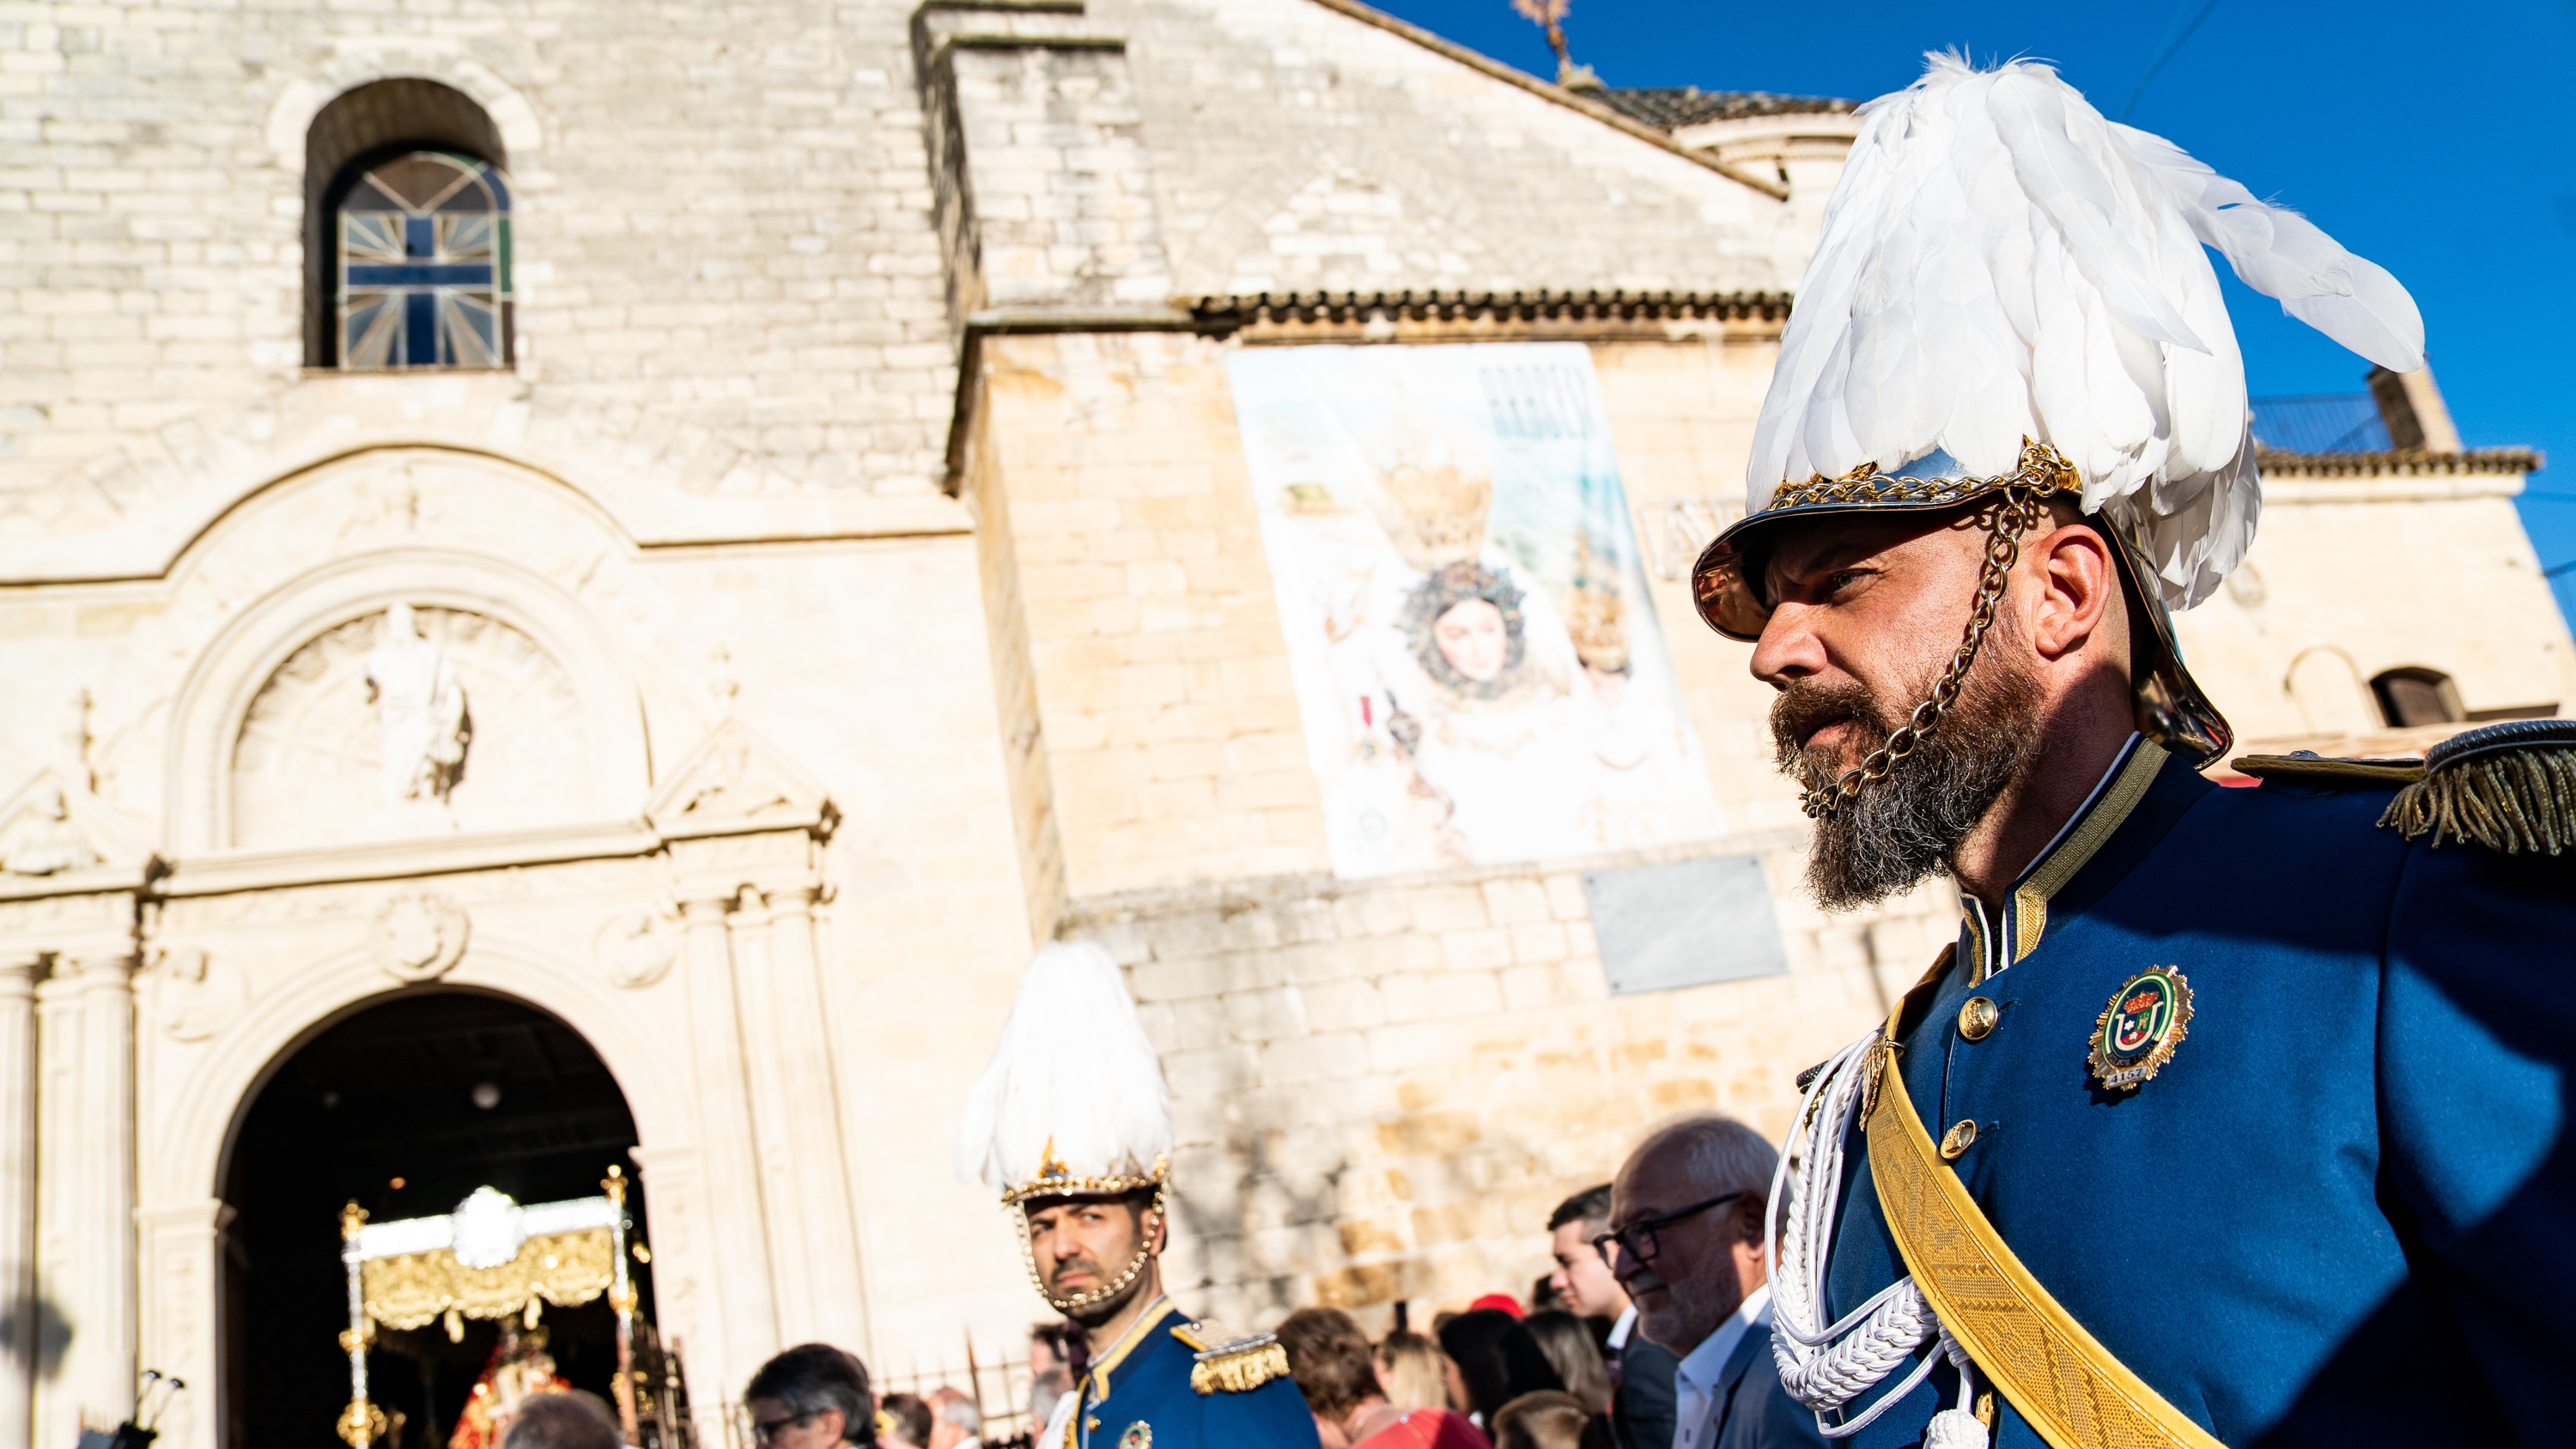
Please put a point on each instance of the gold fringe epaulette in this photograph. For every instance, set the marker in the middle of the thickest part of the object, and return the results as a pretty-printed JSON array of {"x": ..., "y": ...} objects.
[
  {"x": 2510, "y": 787},
  {"x": 1231, "y": 1363}
]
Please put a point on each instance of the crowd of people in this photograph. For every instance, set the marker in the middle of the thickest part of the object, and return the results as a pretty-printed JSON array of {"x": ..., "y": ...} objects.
[
  {"x": 1651, "y": 1333},
  {"x": 1653, "y": 1330}
]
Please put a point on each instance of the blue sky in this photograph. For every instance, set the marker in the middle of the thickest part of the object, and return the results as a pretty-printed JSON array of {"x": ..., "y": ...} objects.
[{"x": 2436, "y": 140}]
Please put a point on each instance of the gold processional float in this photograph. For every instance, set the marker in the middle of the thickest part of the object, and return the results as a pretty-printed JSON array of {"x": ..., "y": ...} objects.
[{"x": 493, "y": 1258}]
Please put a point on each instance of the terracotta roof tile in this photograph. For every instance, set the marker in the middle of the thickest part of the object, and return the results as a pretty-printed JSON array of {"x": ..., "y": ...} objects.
[{"x": 1671, "y": 107}]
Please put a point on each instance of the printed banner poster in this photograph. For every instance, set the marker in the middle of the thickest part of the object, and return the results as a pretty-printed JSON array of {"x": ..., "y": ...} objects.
[{"x": 1477, "y": 661}]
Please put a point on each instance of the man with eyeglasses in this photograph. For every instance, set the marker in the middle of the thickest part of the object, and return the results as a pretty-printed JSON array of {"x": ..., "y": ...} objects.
[
  {"x": 812, "y": 1396},
  {"x": 1685, "y": 1241}
]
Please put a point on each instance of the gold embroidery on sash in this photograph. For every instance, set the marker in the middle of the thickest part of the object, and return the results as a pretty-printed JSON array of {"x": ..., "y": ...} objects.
[{"x": 2058, "y": 1375}]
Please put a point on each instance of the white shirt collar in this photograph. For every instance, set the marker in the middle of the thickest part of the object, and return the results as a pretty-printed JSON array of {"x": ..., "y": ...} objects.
[
  {"x": 1626, "y": 1325},
  {"x": 1703, "y": 1364}
]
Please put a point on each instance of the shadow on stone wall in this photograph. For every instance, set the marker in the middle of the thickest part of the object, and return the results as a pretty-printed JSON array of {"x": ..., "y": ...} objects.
[
  {"x": 34, "y": 1335},
  {"x": 1381, "y": 1088}
]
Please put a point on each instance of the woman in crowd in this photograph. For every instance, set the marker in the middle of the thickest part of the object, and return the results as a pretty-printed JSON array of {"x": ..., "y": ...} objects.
[
  {"x": 1574, "y": 1354},
  {"x": 1494, "y": 1361},
  {"x": 1337, "y": 1371},
  {"x": 1412, "y": 1371}
]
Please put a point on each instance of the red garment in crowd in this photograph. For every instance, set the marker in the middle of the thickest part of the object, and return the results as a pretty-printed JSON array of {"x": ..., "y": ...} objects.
[
  {"x": 1428, "y": 1429},
  {"x": 1499, "y": 1302}
]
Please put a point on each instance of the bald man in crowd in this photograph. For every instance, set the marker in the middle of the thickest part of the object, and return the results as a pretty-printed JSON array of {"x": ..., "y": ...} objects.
[{"x": 1685, "y": 1242}]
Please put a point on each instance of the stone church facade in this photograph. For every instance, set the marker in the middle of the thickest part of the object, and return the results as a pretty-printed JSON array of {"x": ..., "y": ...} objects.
[{"x": 810, "y": 560}]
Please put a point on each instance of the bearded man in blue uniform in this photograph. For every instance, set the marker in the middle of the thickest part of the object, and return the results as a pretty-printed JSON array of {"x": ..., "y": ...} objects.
[
  {"x": 2233, "y": 1116},
  {"x": 1072, "y": 1124}
]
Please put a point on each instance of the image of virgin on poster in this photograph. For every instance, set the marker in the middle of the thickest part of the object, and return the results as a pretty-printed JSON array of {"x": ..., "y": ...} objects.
[{"x": 1478, "y": 666}]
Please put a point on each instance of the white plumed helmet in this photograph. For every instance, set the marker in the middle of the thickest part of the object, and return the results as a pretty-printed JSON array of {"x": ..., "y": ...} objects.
[
  {"x": 2003, "y": 266},
  {"x": 1074, "y": 1100}
]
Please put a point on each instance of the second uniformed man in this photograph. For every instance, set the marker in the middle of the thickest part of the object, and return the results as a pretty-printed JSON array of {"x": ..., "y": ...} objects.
[{"x": 1072, "y": 1124}]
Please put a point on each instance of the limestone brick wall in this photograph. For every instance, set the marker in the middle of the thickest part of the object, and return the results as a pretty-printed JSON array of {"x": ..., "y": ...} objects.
[
  {"x": 1299, "y": 148},
  {"x": 1161, "y": 677},
  {"x": 2350, "y": 576},
  {"x": 1046, "y": 187},
  {"x": 724, "y": 249},
  {"x": 1384, "y": 1087},
  {"x": 1116, "y": 153}
]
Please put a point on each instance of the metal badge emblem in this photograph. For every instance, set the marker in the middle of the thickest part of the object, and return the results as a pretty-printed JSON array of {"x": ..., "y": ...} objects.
[
  {"x": 2136, "y": 1034},
  {"x": 1139, "y": 1435}
]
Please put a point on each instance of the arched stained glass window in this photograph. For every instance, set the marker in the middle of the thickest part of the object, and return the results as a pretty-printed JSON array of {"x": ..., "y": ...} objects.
[{"x": 425, "y": 265}]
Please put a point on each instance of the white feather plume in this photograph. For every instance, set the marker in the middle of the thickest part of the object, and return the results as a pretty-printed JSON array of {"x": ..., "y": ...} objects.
[
  {"x": 1074, "y": 1069},
  {"x": 2000, "y": 261}
]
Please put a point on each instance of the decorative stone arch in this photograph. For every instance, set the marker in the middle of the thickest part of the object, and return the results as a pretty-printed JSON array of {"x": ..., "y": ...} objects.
[
  {"x": 208, "y": 712},
  {"x": 357, "y": 62},
  {"x": 196, "y": 1143},
  {"x": 181, "y": 1215}
]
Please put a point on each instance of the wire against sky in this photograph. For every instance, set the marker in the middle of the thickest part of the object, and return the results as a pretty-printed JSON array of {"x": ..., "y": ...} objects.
[{"x": 2171, "y": 46}]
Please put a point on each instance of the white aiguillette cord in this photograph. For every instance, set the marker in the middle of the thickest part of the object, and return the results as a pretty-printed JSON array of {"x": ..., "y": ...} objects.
[{"x": 1827, "y": 1368}]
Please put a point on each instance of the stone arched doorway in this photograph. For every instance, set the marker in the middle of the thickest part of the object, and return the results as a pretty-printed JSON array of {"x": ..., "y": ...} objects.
[{"x": 404, "y": 1105}]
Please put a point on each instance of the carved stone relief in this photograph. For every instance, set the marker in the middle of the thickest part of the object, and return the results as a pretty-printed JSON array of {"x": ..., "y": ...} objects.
[
  {"x": 195, "y": 995},
  {"x": 418, "y": 935},
  {"x": 375, "y": 730},
  {"x": 43, "y": 840},
  {"x": 634, "y": 947},
  {"x": 53, "y": 824}
]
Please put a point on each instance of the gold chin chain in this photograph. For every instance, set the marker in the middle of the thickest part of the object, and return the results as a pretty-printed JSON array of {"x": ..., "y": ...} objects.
[
  {"x": 1106, "y": 1291},
  {"x": 2016, "y": 515}
]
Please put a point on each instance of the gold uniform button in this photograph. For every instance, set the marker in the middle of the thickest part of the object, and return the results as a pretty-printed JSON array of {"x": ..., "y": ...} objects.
[
  {"x": 1961, "y": 1136},
  {"x": 1977, "y": 1018}
]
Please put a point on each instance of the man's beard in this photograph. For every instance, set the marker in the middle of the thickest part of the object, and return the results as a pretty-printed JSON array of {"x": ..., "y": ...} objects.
[
  {"x": 1108, "y": 1307},
  {"x": 1905, "y": 828}
]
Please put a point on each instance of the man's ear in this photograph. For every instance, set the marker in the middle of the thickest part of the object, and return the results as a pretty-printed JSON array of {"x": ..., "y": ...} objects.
[{"x": 2079, "y": 589}]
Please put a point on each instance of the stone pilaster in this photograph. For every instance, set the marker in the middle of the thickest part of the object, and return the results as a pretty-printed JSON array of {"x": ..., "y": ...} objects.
[
  {"x": 19, "y": 1339},
  {"x": 182, "y": 1254},
  {"x": 826, "y": 1193},
  {"x": 773, "y": 1108},
  {"x": 742, "y": 1315},
  {"x": 85, "y": 1190}
]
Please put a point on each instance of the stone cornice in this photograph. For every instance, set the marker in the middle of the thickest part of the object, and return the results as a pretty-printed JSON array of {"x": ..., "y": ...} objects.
[
  {"x": 1591, "y": 312},
  {"x": 2489, "y": 462},
  {"x": 228, "y": 872}
]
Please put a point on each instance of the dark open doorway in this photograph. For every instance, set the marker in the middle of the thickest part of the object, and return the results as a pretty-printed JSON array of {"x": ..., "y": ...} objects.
[{"x": 404, "y": 1106}]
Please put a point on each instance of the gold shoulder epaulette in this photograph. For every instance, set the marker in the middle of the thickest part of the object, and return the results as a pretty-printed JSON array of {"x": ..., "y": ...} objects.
[
  {"x": 2510, "y": 787},
  {"x": 2308, "y": 767},
  {"x": 1230, "y": 1362}
]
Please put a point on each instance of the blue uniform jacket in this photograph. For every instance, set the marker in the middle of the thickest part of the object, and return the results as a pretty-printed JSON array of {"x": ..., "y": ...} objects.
[
  {"x": 2344, "y": 1212},
  {"x": 1138, "y": 1396}
]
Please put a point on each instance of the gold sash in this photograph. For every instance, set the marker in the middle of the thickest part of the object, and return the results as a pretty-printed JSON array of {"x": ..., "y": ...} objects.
[{"x": 2057, "y": 1375}]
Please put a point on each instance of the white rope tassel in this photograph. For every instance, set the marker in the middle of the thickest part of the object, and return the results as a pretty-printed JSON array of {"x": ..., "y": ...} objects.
[
  {"x": 1957, "y": 1428},
  {"x": 1826, "y": 1366}
]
